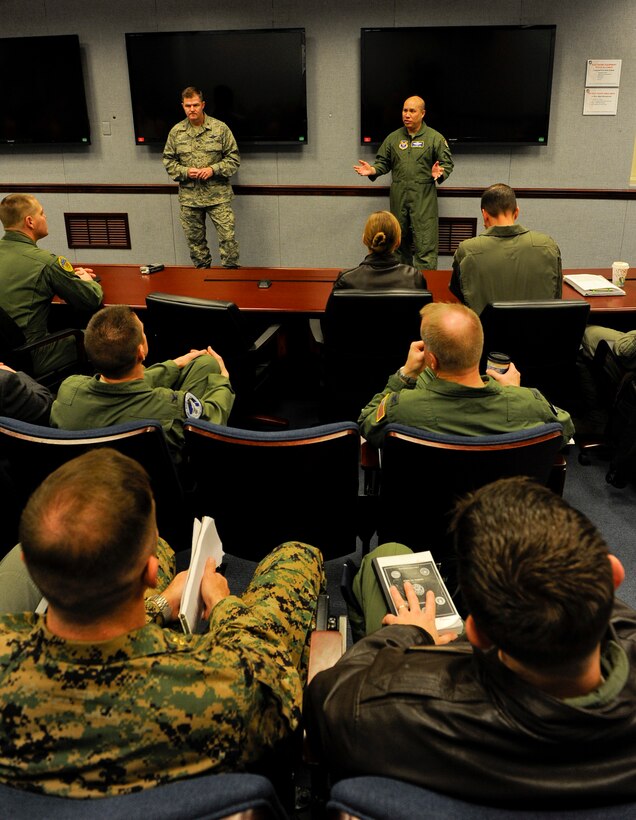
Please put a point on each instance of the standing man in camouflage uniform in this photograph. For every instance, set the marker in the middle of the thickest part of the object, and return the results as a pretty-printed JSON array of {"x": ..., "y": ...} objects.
[
  {"x": 201, "y": 154},
  {"x": 97, "y": 701},
  {"x": 417, "y": 157}
]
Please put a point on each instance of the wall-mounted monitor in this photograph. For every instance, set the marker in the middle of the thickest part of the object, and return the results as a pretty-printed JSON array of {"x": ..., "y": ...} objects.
[
  {"x": 254, "y": 81},
  {"x": 42, "y": 97},
  {"x": 481, "y": 84}
]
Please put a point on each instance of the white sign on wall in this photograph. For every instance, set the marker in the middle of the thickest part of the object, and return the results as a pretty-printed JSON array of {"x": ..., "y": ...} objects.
[{"x": 603, "y": 73}]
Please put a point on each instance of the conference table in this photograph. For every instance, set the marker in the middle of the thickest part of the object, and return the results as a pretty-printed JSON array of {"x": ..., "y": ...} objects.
[{"x": 304, "y": 291}]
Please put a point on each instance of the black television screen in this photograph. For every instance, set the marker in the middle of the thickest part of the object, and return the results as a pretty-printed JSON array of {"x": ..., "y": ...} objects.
[
  {"x": 252, "y": 80},
  {"x": 481, "y": 84},
  {"x": 48, "y": 70}
]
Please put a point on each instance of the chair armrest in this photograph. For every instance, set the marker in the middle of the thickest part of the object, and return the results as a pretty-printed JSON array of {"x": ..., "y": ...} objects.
[
  {"x": 78, "y": 335},
  {"x": 315, "y": 328},
  {"x": 370, "y": 463},
  {"x": 369, "y": 456},
  {"x": 265, "y": 337},
  {"x": 556, "y": 479},
  {"x": 325, "y": 649}
]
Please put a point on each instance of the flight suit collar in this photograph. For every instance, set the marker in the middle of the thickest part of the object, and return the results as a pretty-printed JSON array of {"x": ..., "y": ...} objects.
[
  {"x": 505, "y": 230},
  {"x": 17, "y": 236}
]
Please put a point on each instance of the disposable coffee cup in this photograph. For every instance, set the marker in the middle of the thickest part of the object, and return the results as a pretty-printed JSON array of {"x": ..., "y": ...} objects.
[
  {"x": 619, "y": 273},
  {"x": 498, "y": 361}
]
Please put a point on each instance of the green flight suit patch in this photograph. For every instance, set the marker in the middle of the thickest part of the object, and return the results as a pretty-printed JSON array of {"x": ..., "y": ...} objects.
[{"x": 63, "y": 262}]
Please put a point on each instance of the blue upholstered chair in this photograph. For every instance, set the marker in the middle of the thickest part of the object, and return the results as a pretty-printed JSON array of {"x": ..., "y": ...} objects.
[
  {"x": 33, "y": 452},
  {"x": 211, "y": 797},
  {"x": 428, "y": 472},
  {"x": 382, "y": 798},
  {"x": 266, "y": 488}
]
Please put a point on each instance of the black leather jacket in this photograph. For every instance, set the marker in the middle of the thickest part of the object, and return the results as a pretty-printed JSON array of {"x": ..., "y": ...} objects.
[
  {"x": 381, "y": 270},
  {"x": 458, "y": 721}
]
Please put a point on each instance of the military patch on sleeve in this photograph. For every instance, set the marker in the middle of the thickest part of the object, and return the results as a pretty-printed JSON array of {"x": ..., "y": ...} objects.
[
  {"x": 63, "y": 262},
  {"x": 380, "y": 413},
  {"x": 192, "y": 406}
]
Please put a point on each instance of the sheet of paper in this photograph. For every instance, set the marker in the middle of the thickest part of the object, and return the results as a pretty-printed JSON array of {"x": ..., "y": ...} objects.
[{"x": 205, "y": 544}]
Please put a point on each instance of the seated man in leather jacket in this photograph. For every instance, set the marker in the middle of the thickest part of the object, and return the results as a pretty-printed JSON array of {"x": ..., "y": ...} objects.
[{"x": 537, "y": 708}]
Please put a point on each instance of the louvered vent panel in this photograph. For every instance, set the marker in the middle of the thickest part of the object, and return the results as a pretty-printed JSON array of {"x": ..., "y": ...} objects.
[
  {"x": 97, "y": 231},
  {"x": 453, "y": 230}
]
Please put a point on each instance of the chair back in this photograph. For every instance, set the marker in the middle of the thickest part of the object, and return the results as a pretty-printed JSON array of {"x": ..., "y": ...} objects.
[
  {"x": 367, "y": 335},
  {"x": 11, "y": 337},
  {"x": 384, "y": 798},
  {"x": 542, "y": 339},
  {"x": 266, "y": 488},
  {"x": 34, "y": 452},
  {"x": 428, "y": 472},
  {"x": 210, "y": 797},
  {"x": 177, "y": 324}
]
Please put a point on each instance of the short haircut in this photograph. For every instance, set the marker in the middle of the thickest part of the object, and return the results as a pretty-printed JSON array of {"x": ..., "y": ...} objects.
[
  {"x": 382, "y": 232},
  {"x": 453, "y": 333},
  {"x": 534, "y": 573},
  {"x": 86, "y": 533},
  {"x": 191, "y": 91},
  {"x": 15, "y": 207},
  {"x": 112, "y": 338},
  {"x": 498, "y": 199}
]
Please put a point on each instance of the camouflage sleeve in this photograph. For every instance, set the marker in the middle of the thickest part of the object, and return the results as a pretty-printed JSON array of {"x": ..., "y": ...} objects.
[
  {"x": 64, "y": 282},
  {"x": 271, "y": 623},
  {"x": 231, "y": 161},
  {"x": 166, "y": 572},
  {"x": 374, "y": 417},
  {"x": 172, "y": 160}
]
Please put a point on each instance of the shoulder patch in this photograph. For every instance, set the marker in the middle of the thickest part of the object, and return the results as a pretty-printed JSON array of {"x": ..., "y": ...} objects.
[
  {"x": 389, "y": 400},
  {"x": 192, "y": 406},
  {"x": 63, "y": 262}
]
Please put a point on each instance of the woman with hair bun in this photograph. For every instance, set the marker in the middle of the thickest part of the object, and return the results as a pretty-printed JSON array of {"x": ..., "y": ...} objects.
[{"x": 382, "y": 267}]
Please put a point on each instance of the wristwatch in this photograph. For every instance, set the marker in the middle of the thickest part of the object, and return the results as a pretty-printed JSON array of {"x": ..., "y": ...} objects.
[
  {"x": 409, "y": 381},
  {"x": 158, "y": 608}
]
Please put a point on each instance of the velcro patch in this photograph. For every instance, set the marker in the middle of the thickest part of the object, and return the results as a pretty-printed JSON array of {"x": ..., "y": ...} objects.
[
  {"x": 63, "y": 262},
  {"x": 381, "y": 411},
  {"x": 192, "y": 406}
]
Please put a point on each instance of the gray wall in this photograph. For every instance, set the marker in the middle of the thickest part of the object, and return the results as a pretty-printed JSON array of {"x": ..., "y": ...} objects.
[{"x": 584, "y": 152}]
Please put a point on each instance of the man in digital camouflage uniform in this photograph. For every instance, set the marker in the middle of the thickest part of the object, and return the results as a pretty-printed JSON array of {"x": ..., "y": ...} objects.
[
  {"x": 418, "y": 157},
  {"x": 193, "y": 386},
  {"x": 96, "y": 697},
  {"x": 30, "y": 277},
  {"x": 441, "y": 390},
  {"x": 201, "y": 154}
]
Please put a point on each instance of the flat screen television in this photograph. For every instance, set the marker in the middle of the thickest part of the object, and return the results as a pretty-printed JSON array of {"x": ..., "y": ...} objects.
[
  {"x": 254, "y": 81},
  {"x": 481, "y": 84},
  {"x": 42, "y": 97}
]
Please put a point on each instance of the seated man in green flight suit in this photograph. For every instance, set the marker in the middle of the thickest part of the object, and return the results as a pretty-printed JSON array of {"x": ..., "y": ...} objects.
[
  {"x": 441, "y": 390},
  {"x": 192, "y": 386}
]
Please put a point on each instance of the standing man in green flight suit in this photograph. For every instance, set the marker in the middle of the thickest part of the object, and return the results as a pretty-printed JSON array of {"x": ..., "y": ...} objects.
[
  {"x": 418, "y": 157},
  {"x": 201, "y": 154}
]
